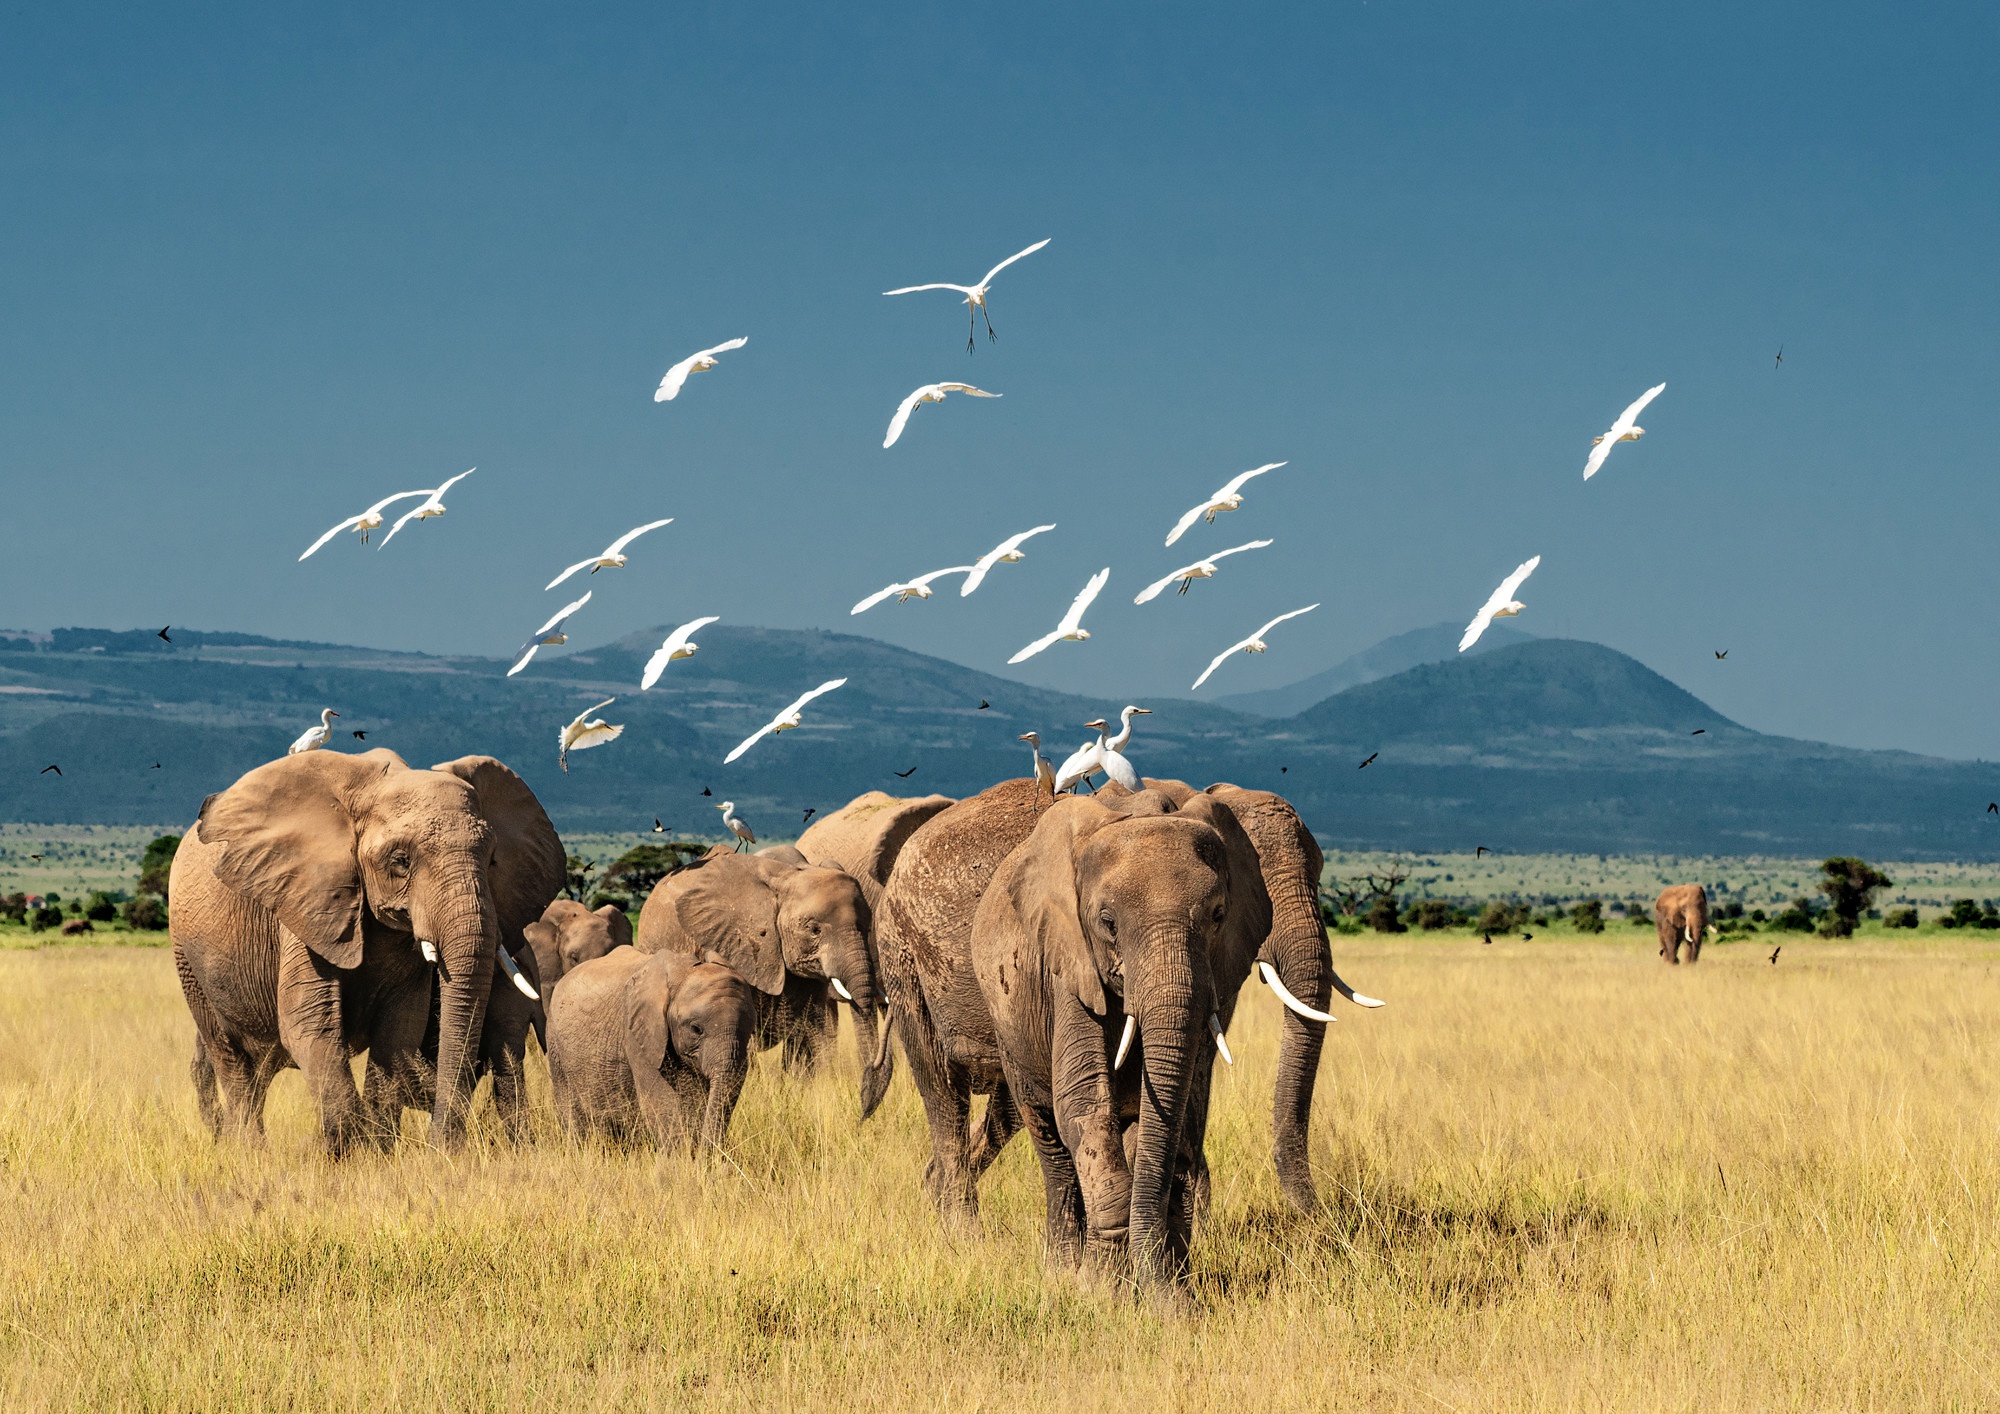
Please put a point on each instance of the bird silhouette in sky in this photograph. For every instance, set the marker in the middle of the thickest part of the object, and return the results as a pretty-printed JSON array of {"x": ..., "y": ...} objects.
[
  {"x": 1481, "y": 850},
  {"x": 810, "y": 812},
  {"x": 34, "y": 856},
  {"x": 984, "y": 704},
  {"x": 46, "y": 769},
  {"x": 1774, "y": 953},
  {"x": 905, "y": 775},
  {"x": 359, "y": 736},
  {"x": 658, "y": 828},
  {"x": 1489, "y": 940},
  {"x": 704, "y": 790},
  {"x": 162, "y": 635},
  {"x": 1723, "y": 654},
  {"x": 1527, "y": 937},
  {"x": 154, "y": 767},
  {"x": 1781, "y": 360},
  {"x": 1364, "y": 765},
  {"x": 1699, "y": 731},
  {"x": 1283, "y": 769},
  {"x": 1993, "y": 807}
]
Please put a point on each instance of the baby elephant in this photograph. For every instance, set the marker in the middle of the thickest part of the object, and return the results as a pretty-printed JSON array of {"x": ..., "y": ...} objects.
[{"x": 650, "y": 1043}]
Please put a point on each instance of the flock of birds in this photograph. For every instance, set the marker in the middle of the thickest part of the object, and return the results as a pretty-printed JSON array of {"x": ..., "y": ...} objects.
[{"x": 1105, "y": 755}]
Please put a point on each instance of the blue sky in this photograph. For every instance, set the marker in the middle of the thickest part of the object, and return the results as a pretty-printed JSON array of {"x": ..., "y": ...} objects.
[{"x": 260, "y": 266}]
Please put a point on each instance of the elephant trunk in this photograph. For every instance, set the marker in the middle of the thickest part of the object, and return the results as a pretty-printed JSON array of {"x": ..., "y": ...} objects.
[
  {"x": 1304, "y": 964},
  {"x": 1173, "y": 1015},
  {"x": 846, "y": 958},
  {"x": 725, "y": 1087},
  {"x": 464, "y": 933}
]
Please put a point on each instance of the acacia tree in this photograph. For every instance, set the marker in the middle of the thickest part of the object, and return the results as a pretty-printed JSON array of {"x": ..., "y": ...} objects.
[{"x": 1850, "y": 886}]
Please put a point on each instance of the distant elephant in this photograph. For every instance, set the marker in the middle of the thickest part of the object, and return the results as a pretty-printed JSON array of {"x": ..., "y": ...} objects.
[
  {"x": 297, "y": 904},
  {"x": 568, "y": 935},
  {"x": 790, "y": 929},
  {"x": 1681, "y": 913},
  {"x": 652, "y": 1043}
]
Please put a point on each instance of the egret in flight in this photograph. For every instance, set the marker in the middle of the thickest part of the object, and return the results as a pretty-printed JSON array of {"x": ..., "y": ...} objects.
[
  {"x": 1625, "y": 429},
  {"x": 581, "y": 735},
  {"x": 1007, "y": 552},
  {"x": 550, "y": 632},
  {"x": 676, "y": 646},
  {"x": 1071, "y": 626},
  {"x": 1253, "y": 644},
  {"x": 975, "y": 295},
  {"x": 1226, "y": 499},
  {"x": 918, "y": 588},
  {"x": 670, "y": 386},
  {"x": 1188, "y": 574},
  {"x": 613, "y": 557},
  {"x": 929, "y": 393},
  {"x": 431, "y": 509},
  {"x": 784, "y": 721},
  {"x": 1045, "y": 774},
  {"x": 313, "y": 738},
  {"x": 743, "y": 832},
  {"x": 370, "y": 519},
  {"x": 1501, "y": 604}
]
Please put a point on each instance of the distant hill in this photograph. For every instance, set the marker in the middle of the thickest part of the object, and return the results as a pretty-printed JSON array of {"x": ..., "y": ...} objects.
[
  {"x": 1542, "y": 744},
  {"x": 1436, "y": 644}
]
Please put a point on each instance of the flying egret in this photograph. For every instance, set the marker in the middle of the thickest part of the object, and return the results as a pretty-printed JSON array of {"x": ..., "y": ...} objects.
[
  {"x": 918, "y": 588},
  {"x": 370, "y": 519},
  {"x": 1625, "y": 429},
  {"x": 1500, "y": 605},
  {"x": 613, "y": 557},
  {"x": 1226, "y": 499},
  {"x": 1253, "y": 644},
  {"x": 670, "y": 386},
  {"x": 1071, "y": 626},
  {"x": 975, "y": 295},
  {"x": 676, "y": 646},
  {"x": 1007, "y": 552},
  {"x": 581, "y": 735},
  {"x": 1084, "y": 762},
  {"x": 431, "y": 508},
  {"x": 1200, "y": 569},
  {"x": 550, "y": 632},
  {"x": 929, "y": 393},
  {"x": 784, "y": 721},
  {"x": 1045, "y": 774},
  {"x": 743, "y": 832},
  {"x": 313, "y": 738}
]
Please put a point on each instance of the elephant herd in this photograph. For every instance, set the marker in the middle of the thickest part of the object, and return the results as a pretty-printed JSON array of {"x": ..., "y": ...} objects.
[{"x": 1076, "y": 960}]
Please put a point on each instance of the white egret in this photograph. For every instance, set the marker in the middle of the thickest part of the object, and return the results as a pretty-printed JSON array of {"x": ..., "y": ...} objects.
[
  {"x": 1104, "y": 754},
  {"x": 1501, "y": 604},
  {"x": 1625, "y": 429},
  {"x": 1253, "y": 644},
  {"x": 313, "y": 738},
  {"x": 1086, "y": 761},
  {"x": 929, "y": 393},
  {"x": 550, "y": 632},
  {"x": 1226, "y": 499},
  {"x": 670, "y": 386},
  {"x": 1007, "y": 552},
  {"x": 1045, "y": 774},
  {"x": 613, "y": 557},
  {"x": 431, "y": 508},
  {"x": 743, "y": 832},
  {"x": 677, "y": 645},
  {"x": 581, "y": 735},
  {"x": 784, "y": 721},
  {"x": 1200, "y": 569},
  {"x": 918, "y": 588},
  {"x": 370, "y": 519},
  {"x": 1071, "y": 626},
  {"x": 975, "y": 295}
]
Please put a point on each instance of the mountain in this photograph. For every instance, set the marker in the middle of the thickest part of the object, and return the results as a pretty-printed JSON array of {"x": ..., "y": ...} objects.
[
  {"x": 1436, "y": 644},
  {"x": 1542, "y": 744}
]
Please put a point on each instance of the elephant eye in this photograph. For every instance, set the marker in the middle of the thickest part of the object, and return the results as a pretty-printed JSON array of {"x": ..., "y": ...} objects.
[
  {"x": 1110, "y": 924},
  {"x": 400, "y": 862},
  {"x": 1219, "y": 910}
]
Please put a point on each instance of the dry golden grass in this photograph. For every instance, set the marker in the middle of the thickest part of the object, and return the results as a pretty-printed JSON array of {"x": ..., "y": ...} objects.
[{"x": 1560, "y": 1176}]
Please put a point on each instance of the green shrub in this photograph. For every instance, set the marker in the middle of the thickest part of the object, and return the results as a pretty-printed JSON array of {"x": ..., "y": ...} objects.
[
  {"x": 1850, "y": 886},
  {"x": 1964, "y": 914},
  {"x": 1588, "y": 916},
  {"x": 1430, "y": 914},
  {"x": 1383, "y": 916},
  {"x": 1796, "y": 919},
  {"x": 1497, "y": 917},
  {"x": 637, "y": 870},
  {"x": 1347, "y": 927},
  {"x": 157, "y": 863},
  {"x": 1900, "y": 918},
  {"x": 147, "y": 912},
  {"x": 14, "y": 908},
  {"x": 44, "y": 917},
  {"x": 100, "y": 907}
]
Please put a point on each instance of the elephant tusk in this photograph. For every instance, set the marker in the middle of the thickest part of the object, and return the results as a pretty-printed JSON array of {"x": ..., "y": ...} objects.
[
  {"x": 1687, "y": 932},
  {"x": 1277, "y": 984},
  {"x": 1215, "y": 1030},
  {"x": 1125, "y": 1040},
  {"x": 841, "y": 988},
  {"x": 882, "y": 1045},
  {"x": 513, "y": 971},
  {"x": 1353, "y": 996},
  {"x": 430, "y": 950}
]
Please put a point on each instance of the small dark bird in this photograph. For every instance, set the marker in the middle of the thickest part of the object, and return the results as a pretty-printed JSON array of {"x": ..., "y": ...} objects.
[
  {"x": 34, "y": 856},
  {"x": 658, "y": 828},
  {"x": 1993, "y": 807},
  {"x": 163, "y": 635},
  {"x": 1699, "y": 731},
  {"x": 1527, "y": 937},
  {"x": 1774, "y": 953},
  {"x": 1723, "y": 654},
  {"x": 154, "y": 767},
  {"x": 984, "y": 704},
  {"x": 1781, "y": 357},
  {"x": 810, "y": 812},
  {"x": 1283, "y": 769},
  {"x": 46, "y": 769},
  {"x": 1489, "y": 940},
  {"x": 905, "y": 775},
  {"x": 704, "y": 790},
  {"x": 359, "y": 736},
  {"x": 1481, "y": 850},
  {"x": 1364, "y": 765}
]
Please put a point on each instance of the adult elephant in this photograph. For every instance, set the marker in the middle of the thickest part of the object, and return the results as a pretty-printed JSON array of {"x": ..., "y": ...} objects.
[
  {"x": 566, "y": 936},
  {"x": 1681, "y": 913},
  {"x": 792, "y": 930},
  {"x": 307, "y": 903}
]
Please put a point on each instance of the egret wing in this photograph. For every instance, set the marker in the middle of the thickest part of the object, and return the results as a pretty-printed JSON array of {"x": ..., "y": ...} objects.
[
  {"x": 913, "y": 289},
  {"x": 902, "y": 417},
  {"x": 1219, "y": 659},
  {"x": 347, "y": 524},
  {"x": 555, "y": 620},
  {"x": 527, "y": 652},
  {"x": 992, "y": 557},
  {"x": 1235, "y": 483},
  {"x": 1037, "y": 646},
  {"x": 677, "y": 377},
  {"x": 723, "y": 348},
  {"x": 819, "y": 691},
  {"x": 405, "y": 518},
  {"x": 1238, "y": 549},
  {"x": 1119, "y": 769},
  {"x": 1513, "y": 582},
  {"x": 966, "y": 388},
  {"x": 454, "y": 481},
  {"x": 1281, "y": 618},
  {"x": 750, "y": 741},
  {"x": 1631, "y": 414},
  {"x": 1011, "y": 259},
  {"x": 1073, "y": 619},
  {"x": 377, "y": 508},
  {"x": 579, "y": 565},
  {"x": 629, "y": 536},
  {"x": 877, "y": 597},
  {"x": 1182, "y": 525},
  {"x": 925, "y": 579},
  {"x": 1152, "y": 591},
  {"x": 596, "y": 734}
]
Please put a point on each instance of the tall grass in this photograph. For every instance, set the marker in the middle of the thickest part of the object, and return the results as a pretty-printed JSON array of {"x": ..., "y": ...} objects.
[{"x": 1559, "y": 1176}]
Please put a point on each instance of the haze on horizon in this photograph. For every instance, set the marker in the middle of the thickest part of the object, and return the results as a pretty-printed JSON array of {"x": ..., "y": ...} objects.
[{"x": 262, "y": 267}]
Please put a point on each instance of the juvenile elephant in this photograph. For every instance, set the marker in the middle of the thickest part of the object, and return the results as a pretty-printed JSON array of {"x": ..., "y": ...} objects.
[
  {"x": 568, "y": 935},
  {"x": 791, "y": 930},
  {"x": 304, "y": 901},
  {"x": 1681, "y": 913},
  {"x": 650, "y": 1042}
]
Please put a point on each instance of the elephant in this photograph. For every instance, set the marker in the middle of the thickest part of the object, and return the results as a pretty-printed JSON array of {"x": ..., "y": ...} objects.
[
  {"x": 568, "y": 935},
  {"x": 1681, "y": 912},
  {"x": 312, "y": 902},
  {"x": 790, "y": 929},
  {"x": 646, "y": 1042}
]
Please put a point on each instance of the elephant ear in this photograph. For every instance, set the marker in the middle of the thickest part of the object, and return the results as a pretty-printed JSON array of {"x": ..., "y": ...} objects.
[
  {"x": 529, "y": 865},
  {"x": 285, "y": 835},
  {"x": 545, "y": 947},
  {"x": 866, "y": 835},
  {"x": 733, "y": 913},
  {"x": 1249, "y": 921},
  {"x": 1041, "y": 891},
  {"x": 649, "y": 991},
  {"x": 620, "y": 926}
]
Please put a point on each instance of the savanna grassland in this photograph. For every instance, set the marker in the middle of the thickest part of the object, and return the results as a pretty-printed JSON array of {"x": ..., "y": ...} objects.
[{"x": 1559, "y": 1175}]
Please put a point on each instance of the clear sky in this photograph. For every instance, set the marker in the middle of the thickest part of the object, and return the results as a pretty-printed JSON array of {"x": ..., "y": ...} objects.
[{"x": 262, "y": 265}]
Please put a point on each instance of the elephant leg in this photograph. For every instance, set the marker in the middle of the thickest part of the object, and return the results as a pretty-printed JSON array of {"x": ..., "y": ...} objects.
[
  {"x": 946, "y": 1091},
  {"x": 208, "y": 1037},
  {"x": 397, "y": 1075},
  {"x": 1061, "y": 1186},
  {"x": 1088, "y": 1128},
  {"x": 207, "y": 1097},
  {"x": 309, "y": 1028},
  {"x": 1000, "y": 1123},
  {"x": 1670, "y": 938}
]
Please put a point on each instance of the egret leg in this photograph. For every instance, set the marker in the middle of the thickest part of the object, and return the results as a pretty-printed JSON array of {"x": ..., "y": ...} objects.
[
  {"x": 971, "y": 328},
  {"x": 990, "y": 335}
]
